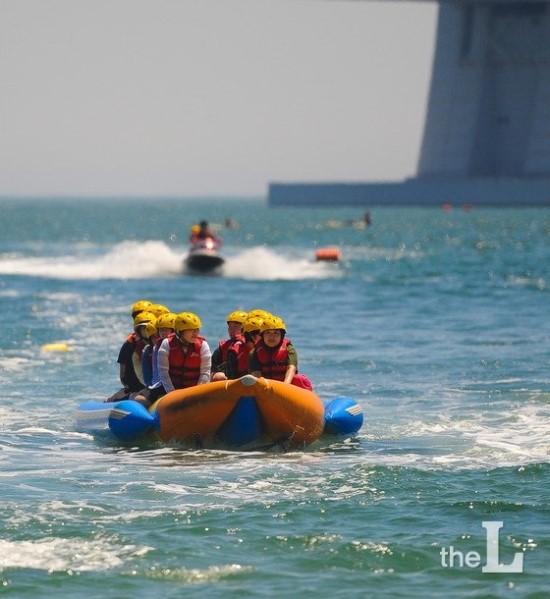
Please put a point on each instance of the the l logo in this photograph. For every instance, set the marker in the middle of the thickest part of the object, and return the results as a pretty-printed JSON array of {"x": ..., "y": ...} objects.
[{"x": 493, "y": 564}]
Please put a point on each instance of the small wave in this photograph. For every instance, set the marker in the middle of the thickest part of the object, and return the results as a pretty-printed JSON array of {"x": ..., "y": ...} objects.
[
  {"x": 126, "y": 260},
  {"x": 468, "y": 443},
  {"x": 55, "y": 554},
  {"x": 197, "y": 575},
  {"x": 381, "y": 253},
  {"x": 528, "y": 282}
]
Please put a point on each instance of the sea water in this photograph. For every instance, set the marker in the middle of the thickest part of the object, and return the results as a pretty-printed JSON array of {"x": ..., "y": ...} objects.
[{"x": 435, "y": 321}]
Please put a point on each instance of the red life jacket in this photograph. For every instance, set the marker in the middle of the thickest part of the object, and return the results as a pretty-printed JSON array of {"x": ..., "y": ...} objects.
[
  {"x": 227, "y": 344},
  {"x": 138, "y": 342},
  {"x": 273, "y": 361},
  {"x": 241, "y": 349},
  {"x": 184, "y": 367}
]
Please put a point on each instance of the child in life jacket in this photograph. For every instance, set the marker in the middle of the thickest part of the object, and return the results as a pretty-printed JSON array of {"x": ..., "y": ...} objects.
[
  {"x": 274, "y": 356},
  {"x": 184, "y": 357},
  {"x": 130, "y": 354},
  {"x": 235, "y": 322},
  {"x": 148, "y": 332},
  {"x": 164, "y": 327},
  {"x": 237, "y": 360}
]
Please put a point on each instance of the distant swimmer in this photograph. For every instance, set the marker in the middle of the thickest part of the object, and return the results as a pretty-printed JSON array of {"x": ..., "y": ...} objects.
[
  {"x": 363, "y": 223},
  {"x": 231, "y": 223}
]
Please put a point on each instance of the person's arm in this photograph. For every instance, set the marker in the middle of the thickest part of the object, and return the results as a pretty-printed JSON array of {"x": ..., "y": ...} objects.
[
  {"x": 147, "y": 364},
  {"x": 122, "y": 375},
  {"x": 292, "y": 367},
  {"x": 124, "y": 358},
  {"x": 136, "y": 361},
  {"x": 155, "y": 379},
  {"x": 216, "y": 359},
  {"x": 206, "y": 364},
  {"x": 164, "y": 366},
  {"x": 232, "y": 362},
  {"x": 254, "y": 366},
  {"x": 289, "y": 374}
]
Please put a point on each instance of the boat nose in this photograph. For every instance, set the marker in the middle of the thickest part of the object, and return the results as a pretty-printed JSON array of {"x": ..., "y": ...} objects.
[{"x": 248, "y": 380}]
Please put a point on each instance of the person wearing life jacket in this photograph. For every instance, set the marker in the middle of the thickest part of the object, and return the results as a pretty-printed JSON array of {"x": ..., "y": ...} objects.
[
  {"x": 201, "y": 233},
  {"x": 165, "y": 327},
  {"x": 154, "y": 390},
  {"x": 142, "y": 341},
  {"x": 235, "y": 322},
  {"x": 275, "y": 357},
  {"x": 237, "y": 361},
  {"x": 184, "y": 357},
  {"x": 149, "y": 332},
  {"x": 133, "y": 343},
  {"x": 151, "y": 337}
]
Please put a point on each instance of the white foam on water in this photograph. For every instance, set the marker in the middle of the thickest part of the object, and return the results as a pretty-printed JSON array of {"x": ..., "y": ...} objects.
[
  {"x": 126, "y": 260},
  {"x": 55, "y": 554},
  {"x": 146, "y": 259},
  {"x": 261, "y": 263},
  {"x": 197, "y": 575},
  {"x": 490, "y": 440}
]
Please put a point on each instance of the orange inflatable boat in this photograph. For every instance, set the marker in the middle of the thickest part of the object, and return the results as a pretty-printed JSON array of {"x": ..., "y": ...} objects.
[
  {"x": 244, "y": 414},
  {"x": 241, "y": 411}
]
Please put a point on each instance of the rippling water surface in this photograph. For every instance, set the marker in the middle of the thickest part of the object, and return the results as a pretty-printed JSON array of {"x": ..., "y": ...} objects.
[{"x": 435, "y": 322}]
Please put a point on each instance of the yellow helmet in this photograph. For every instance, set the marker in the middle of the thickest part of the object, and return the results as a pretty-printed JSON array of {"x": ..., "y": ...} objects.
[
  {"x": 167, "y": 321},
  {"x": 253, "y": 323},
  {"x": 237, "y": 316},
  {"x": 144, "y": 317},
  {"x": 140, "y": 306},
  {"x": 186, "y": 321},
  {"x": 195, "y": 229},
  {"x": 273, "y": 323},
  {"x": 157, "y": 309},
  {"x": 150, "y": 330},
  {"x": 260, "y": 313}
]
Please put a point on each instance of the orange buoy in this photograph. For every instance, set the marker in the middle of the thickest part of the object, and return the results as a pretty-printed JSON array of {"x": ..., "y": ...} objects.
[{"x": 328, "y": 254}]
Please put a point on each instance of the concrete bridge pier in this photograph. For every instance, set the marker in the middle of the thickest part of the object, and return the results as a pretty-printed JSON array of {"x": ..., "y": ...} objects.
[{"x": 487, "y": 130}]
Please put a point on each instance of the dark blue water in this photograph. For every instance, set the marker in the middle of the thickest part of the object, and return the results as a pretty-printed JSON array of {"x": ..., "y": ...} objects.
[{"x": 435, "y": 322}]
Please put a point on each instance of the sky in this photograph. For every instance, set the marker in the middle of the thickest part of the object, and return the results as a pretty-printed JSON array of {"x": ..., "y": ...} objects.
[{"x": 209, "y": 97}]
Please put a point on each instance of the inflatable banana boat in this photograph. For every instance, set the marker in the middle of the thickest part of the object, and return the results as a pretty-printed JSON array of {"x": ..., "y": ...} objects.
[{"x": 244, "y": 414}]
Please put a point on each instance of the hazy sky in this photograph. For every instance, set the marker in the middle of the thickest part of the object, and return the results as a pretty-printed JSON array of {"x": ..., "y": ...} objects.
[{"x": 209, "y": 97}]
